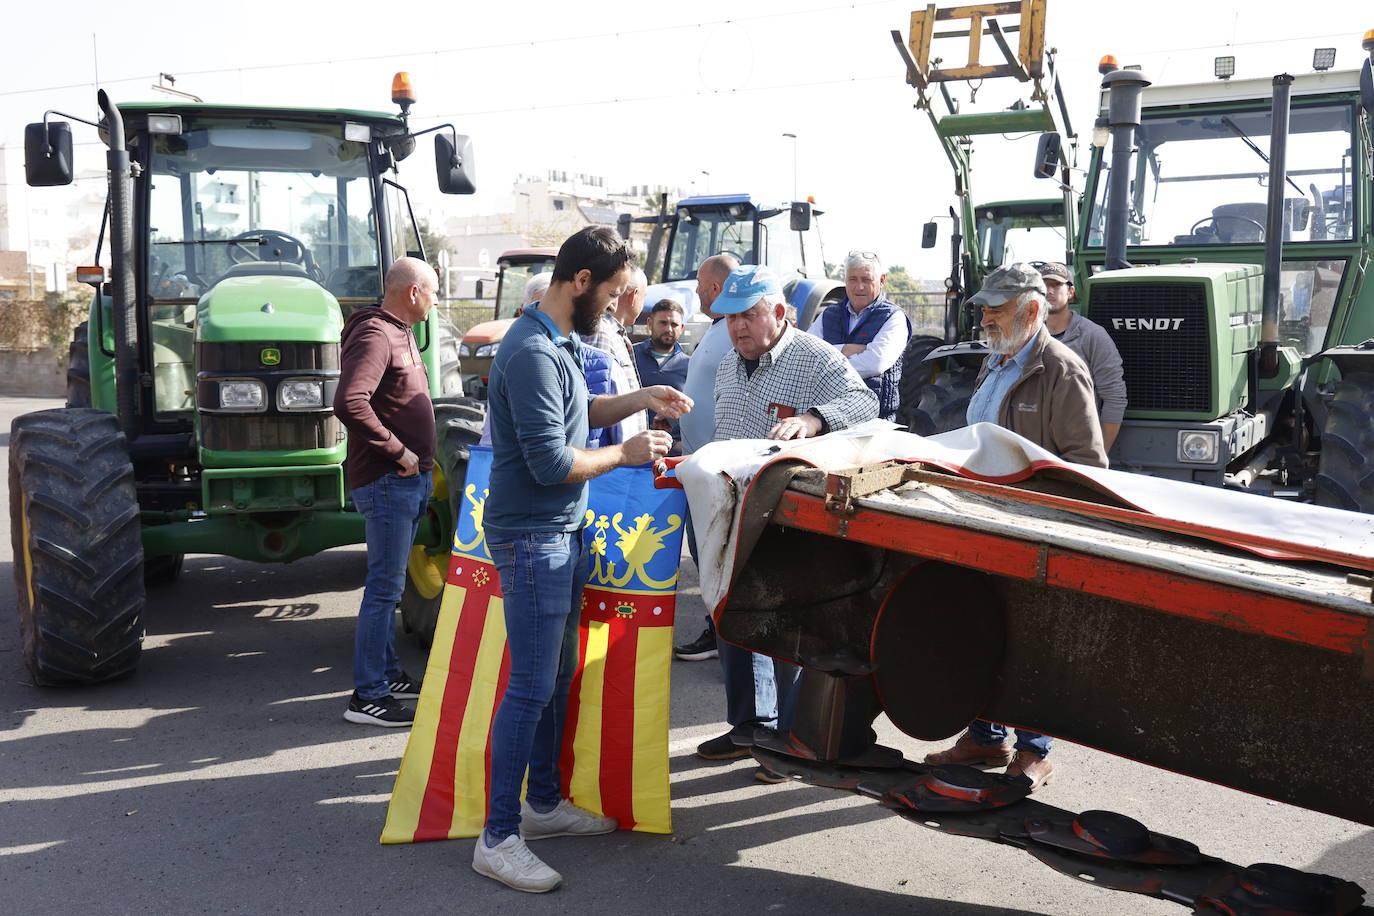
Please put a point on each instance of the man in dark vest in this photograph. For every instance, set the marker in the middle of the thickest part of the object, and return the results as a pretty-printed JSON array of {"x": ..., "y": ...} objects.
[{"x": 868, "y": 329}]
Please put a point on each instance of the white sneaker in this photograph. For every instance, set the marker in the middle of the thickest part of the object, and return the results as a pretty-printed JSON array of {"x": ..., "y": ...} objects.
[
  {"x": 565, "y": 820},
  {"x": 512, "y": 863}
]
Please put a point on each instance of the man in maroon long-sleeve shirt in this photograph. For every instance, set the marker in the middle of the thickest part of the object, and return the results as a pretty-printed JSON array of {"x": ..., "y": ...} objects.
[{"x": 383, "y": 400}]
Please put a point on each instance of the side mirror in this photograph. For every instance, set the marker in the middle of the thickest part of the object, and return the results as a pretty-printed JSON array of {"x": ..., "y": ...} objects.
[
  {"x": 455, "y": 168},
  {"x": 928, "y": 233},
  {"x": 48, "y": 154},
  {"x": 800, "y": 220},
  {"x": 1047, "y": 155},
  {"x": 622, "y": 225}
]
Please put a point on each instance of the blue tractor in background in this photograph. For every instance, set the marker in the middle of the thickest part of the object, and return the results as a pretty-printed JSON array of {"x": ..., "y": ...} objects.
[{"x": 785, "y": 237}]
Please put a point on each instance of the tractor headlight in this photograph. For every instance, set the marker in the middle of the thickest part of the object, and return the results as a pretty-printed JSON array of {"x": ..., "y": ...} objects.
[
  {"x": 485, "y": 351},
  {"x": 464, "y": 350},
  {"x": 1198, "y": 446},
  {"x": 300, "y": 394},
  {"x": 242, "y": 395}
]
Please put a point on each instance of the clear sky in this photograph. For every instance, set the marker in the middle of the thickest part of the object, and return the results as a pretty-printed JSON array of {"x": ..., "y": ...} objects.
[{"x": 696, "y": 95}]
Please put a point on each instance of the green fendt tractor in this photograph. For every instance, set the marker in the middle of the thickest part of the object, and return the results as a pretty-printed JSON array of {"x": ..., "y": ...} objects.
[
  {"x": 1224, "y": 245},
  {"x": 200, "y": 392}
]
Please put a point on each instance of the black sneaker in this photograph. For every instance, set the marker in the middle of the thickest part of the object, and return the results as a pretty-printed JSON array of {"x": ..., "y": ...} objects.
[
  {"x": 405, "y": 687},
  {"x": 387, "y": 712},
  {"x": 722, "y": 748},
  {"x": 699, "y": 649}
]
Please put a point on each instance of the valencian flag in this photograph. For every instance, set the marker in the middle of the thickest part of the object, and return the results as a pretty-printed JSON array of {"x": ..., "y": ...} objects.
[{"x": 615, "y": 743}]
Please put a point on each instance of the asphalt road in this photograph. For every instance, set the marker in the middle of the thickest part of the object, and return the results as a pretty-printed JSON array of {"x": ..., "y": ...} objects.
[{"x": 221, "y": 778}]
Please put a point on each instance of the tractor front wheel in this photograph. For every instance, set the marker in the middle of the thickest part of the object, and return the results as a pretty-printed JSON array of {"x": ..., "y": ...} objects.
[
  {"x": 1345, "y": 470},
  {"x": 78, "y": 553},
  {"x": 458, "y": 426}
]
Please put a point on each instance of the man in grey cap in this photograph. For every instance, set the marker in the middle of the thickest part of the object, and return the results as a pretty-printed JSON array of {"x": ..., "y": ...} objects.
[
  {"x": 1093, "y": 345},
  {"x": 1040, "y": 389}
]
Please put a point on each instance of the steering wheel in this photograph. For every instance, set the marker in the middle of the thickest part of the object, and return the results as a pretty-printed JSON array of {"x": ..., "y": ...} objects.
[
  {"x": 1215, "y": 219},
  {"x": 274, "y": 246}
]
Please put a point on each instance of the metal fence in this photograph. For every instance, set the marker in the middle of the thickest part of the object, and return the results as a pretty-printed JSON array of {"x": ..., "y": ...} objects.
[
  {"x": 925, "y": 309},
  {"x": 463, "y": 314}
]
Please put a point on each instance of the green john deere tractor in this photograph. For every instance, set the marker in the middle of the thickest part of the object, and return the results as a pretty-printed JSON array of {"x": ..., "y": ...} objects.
[{"x": 200, "y": 392}]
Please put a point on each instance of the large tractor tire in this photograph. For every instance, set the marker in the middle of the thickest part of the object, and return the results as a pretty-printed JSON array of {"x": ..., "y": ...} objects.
[
  {"x": 458, "y": 426},
  {"x": 942, "y": 403},
  {"x": 916, "y": 374},
  {"x": 79, "y": 368},
  {"x": 1345, "y": 469},
  {"x": 78, "y": 554}
]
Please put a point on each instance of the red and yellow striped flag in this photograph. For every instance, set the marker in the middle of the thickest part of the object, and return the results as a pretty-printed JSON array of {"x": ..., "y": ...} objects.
[{"x": 615, "y": 743}]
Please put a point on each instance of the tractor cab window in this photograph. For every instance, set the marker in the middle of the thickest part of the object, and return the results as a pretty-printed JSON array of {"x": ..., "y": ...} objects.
[
  {"x": 703, "y": 231},
  {"x": 255, "y": 196},
  {"x": 1202, "y": 179},
  {"x": 1031, "y": 231},
  {"x": 786, "y": 255},
  {"x": 510, "y": 293}
]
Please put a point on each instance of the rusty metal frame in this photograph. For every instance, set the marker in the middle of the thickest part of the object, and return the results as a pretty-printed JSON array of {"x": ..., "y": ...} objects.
[{"x": 1028, "y": 63}]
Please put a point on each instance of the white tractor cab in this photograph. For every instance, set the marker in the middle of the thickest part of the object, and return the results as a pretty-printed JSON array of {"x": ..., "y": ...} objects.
[
  {"x": 515, "y": 269},
  {"x": 785, "y": 237}
]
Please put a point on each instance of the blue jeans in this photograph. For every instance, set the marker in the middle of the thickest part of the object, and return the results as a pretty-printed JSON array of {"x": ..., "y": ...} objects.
[
  {"x": 987, "y": 733},
  {"x": 758, "y": 689},
  {"x": 753, "y": 682},
  {"x": 542, "y": 575},
  {"x": 393, "y": 506}
]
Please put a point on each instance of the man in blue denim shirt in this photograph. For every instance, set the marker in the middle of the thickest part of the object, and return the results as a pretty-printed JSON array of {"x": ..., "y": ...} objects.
[{"x": 540, "y": 412}]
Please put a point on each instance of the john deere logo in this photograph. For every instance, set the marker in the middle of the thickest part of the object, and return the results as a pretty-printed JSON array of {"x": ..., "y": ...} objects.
[{"x": 271, "y": 356}]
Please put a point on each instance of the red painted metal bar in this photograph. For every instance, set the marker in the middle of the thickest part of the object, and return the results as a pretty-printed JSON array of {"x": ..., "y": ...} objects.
[{"x": 1280, "y": 618}]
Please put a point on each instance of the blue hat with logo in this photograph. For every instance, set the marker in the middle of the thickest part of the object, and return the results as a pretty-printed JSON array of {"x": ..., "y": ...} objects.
[{"x": 744, "y": 287}]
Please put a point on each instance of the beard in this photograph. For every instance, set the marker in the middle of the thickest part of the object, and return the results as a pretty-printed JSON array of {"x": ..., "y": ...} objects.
[
  {"x": 1008, "y": 345},
  {"x": 665, "y": 341},
  {"x": 586, "y": 313}
]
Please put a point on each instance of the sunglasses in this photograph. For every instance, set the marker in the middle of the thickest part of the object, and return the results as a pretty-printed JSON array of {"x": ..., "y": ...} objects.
[{"x": 867, "y": 255}]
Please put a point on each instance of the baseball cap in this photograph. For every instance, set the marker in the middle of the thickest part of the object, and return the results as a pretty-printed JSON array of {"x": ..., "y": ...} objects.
[
  {"x": 744, "y": 287},
  {"x": 1054, "y": 269},
  {"x": 1006, "y": 283}
]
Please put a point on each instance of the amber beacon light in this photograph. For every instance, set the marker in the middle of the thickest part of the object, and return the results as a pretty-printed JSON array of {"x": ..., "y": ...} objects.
[{"x": 402, "y": 93}]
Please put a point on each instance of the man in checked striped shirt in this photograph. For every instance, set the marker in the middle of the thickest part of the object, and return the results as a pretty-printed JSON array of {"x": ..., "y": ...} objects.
[{"x": 777, "y": 383}]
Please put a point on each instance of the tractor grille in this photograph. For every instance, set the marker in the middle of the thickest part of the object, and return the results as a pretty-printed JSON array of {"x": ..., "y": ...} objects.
[
  {"x": 272, "y": 430},
  {"x": 246, "y": 357},
  {"x": 258, "y": 432},
  {"x": 1161, "y": 330}
]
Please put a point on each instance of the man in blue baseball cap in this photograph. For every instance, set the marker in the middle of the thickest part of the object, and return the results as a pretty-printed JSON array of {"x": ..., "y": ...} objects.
[{"x": 777, "y": 383}]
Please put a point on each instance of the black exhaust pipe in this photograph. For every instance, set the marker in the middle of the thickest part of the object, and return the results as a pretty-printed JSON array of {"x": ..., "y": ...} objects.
[
  {"x": 1273, "y": 228},
  {"x": 122, "y": 268},
  {"x": 1123, "y": 116}
]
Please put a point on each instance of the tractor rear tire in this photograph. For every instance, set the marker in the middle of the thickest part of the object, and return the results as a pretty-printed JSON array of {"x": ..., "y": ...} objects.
[
  {"x": 1345, "y": 469},
  {"x": 942, "y": 404},
  {"x": 915, "y": 374},
  {"x": 458, "y": 426},
  {"x": 163, "y": 570},
  {"x": 78, "y": 553},
  {"x": 79, "y": 368}
]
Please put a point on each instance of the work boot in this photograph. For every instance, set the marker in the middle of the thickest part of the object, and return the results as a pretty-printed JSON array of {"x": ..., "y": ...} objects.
[
  {"x": 969, "y": 753},
  {"x": 1031, "y": 766}
]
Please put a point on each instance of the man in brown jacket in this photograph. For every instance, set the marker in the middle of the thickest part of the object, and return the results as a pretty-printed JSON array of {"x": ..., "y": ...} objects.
[
  {"x": 1038, "y": 388},
  {"x": 383, "y": 401}
]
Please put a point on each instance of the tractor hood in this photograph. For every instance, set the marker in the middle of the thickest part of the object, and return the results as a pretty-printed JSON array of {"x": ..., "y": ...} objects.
[
  {"x": 487, "y": 331},
  {"x": 277, "y": 308}
]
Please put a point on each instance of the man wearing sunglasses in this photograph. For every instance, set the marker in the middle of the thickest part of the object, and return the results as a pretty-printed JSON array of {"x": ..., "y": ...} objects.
[{"x": 868, "y": 330}]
